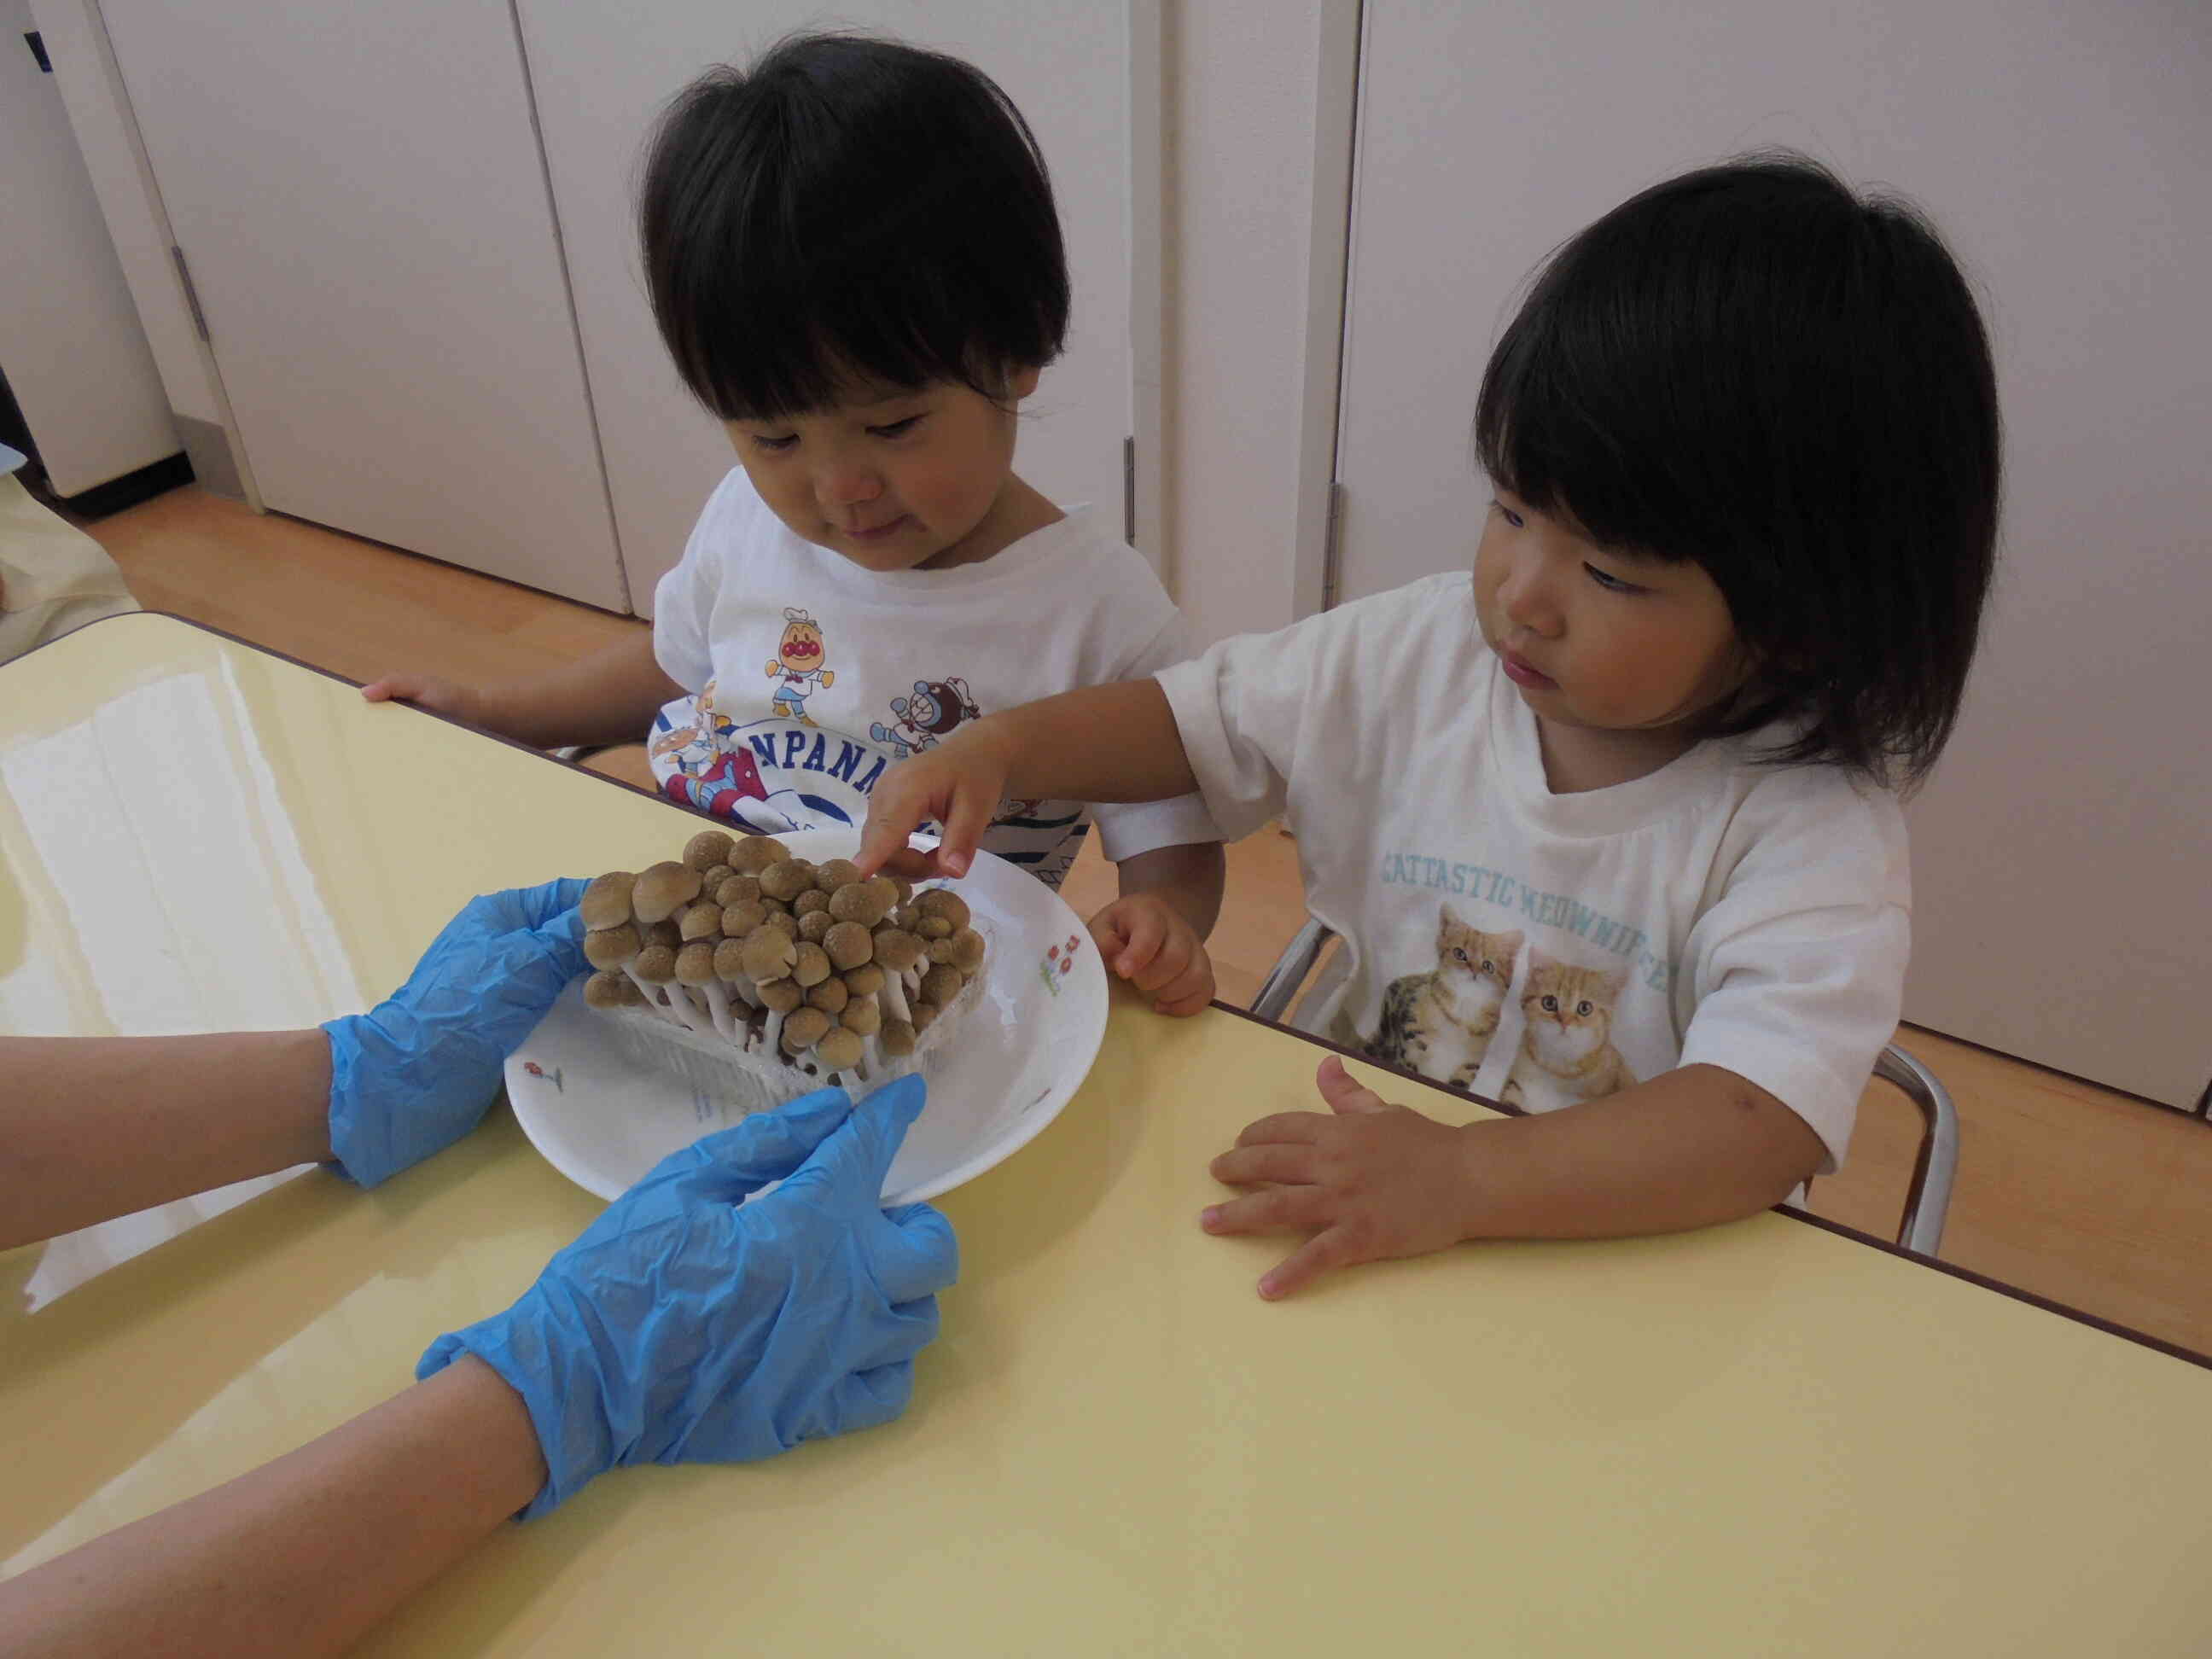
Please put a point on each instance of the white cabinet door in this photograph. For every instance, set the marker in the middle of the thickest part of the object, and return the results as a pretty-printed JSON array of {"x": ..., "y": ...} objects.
[
  {"x": 359, "y": 194},
  {"x": 69, "y": 341},
  {"x": 602, "y": 76},
  {"x": 2063, "y": 911}
]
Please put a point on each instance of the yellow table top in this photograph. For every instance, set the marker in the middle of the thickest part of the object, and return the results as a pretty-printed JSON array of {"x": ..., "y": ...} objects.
[{"x": 1758, "y": 1439}]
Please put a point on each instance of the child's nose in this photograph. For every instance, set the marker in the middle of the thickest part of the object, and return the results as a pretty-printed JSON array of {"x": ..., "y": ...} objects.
[
  {"x": 1526, "y": 600},
  {"x": 846, "y": 483}
]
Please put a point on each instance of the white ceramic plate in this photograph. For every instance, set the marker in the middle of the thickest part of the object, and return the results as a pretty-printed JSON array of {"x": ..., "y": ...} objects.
[{"x": 1024, "y": 1047}]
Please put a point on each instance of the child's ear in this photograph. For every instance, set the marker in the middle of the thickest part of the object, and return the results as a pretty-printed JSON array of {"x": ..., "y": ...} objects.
[{"x": 1023, "y": 383}]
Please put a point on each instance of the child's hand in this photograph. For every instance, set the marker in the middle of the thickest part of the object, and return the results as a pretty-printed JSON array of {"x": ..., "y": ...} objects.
[
  {"x": 1150, "y": 942},
  {"x": 958, "y": 783},
  {"x": 426, "y": 691},
  {"x": 1372, "y": 1182}
]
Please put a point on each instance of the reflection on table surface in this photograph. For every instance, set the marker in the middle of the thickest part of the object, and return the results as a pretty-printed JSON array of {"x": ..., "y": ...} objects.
[{"x": 1760, "y": 1438}]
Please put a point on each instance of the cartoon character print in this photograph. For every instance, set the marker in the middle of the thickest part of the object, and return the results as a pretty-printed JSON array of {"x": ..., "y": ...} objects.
[
  {"x": 797, "y": 667},
  {"x": 934, "y": 709},
  {"x": 692, "y": 749}
]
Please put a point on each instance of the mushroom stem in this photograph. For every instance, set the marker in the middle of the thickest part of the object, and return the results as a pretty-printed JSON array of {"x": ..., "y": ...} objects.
[
  {"x": 718, "y": 1001},
  {"x": 655, "y": 997},
  {"x": 772, "y": 1035},
  {"x": 893, "y": 997},
  {"x": 688, "y": 1011}
]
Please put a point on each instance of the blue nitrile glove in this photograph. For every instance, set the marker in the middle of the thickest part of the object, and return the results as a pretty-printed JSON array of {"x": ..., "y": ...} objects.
[
  {"x": 419, "y": 1071},
  {"x": 686, "y": 1327}
]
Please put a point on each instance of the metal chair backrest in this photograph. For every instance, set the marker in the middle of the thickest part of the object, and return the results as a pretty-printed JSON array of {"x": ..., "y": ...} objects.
[{"x": 1927, "y": 1197}]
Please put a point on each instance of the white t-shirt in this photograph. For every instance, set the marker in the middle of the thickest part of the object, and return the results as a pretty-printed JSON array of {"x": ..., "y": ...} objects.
[
  {"x": 1541, "y": 948},
  {"x": 812, "y": 675}
]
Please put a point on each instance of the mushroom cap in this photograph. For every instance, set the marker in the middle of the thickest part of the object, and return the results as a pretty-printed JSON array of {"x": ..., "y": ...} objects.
[
  {"x": 855, "y": 901},
  {"x": 769, "y": 954},
  {"x": 610, "y": 947},
  {"x": 838, "y": 1048},
  {"x": 941, "y": 984},
  {"x": 905, "y": 887},
  {"x": 604, "y": 989},
  {"x": 809, "y": 901},
  {"x": 711, "y": 880},
  {"x": 737, "y": 889},
  {"x": 775, "y": 907},
  {"x": 940, "y": 950},
  {"x": 605, "y": 903},
  {"x": 864, "y": 981},
  {"x": 832, "y": 873},
  {"x": 925, "y": 1015},
  {"x": 741, "y": 919},
  {"x": 782, "y": 994},
  {"x": 663, "y": 932},
  {"x": 754, "y": 854},
  {"x": 968, "y": 951},
  {"x": 655, "y": 964},
  {"x": 939, "y": 926},
  {"x": 660, "y": 890},
  {"x": 706, "y": 849},
  {"x": 812, "y": 966},
  {"x": 943, "y": 901},
  {"x": 701, "y": 919},
  {"x": 730, "y": 959},
  {"x": 803, "y": 1028},
  {"x": 906, "y": 918},
  {"x": 898, "y": 1036},
  {"x": 861, "y": 1014},
  {"x": 884, "y": 891},
  {"x": 784, "y": 922},
  {"x": 814, "y": 927},
  {"x": 849, "y": 944},
  {"x": 787, "y": 879},
  {"x": 898, "y": 950},
  {"x": 831, "y": 996},
  {"x": 695, "y": 962}
]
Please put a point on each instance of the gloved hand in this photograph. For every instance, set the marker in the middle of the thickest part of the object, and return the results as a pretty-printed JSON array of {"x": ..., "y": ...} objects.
[
  {"x": 686, "y": 1327},
  {"x": 418, "y": 1072}
]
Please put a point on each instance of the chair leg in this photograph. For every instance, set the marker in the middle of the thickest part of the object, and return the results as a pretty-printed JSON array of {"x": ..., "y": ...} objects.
[{"x": 1928, "y": 1199}]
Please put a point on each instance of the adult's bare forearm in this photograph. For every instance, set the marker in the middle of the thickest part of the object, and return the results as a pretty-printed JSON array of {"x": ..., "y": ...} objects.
[
  {"x": 304, "y": 1554},
  {"x": 93, "y": 1127}
]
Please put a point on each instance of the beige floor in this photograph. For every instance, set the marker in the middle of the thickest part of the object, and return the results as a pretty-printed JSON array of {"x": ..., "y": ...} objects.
[{"x": 2092, "y": 1198}]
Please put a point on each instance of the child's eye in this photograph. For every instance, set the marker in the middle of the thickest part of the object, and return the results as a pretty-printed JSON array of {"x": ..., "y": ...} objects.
[
  {"x": 774, "y": 445},
  {"x": 1611, "y": 583},
  {"x": 1510, "y": 516},
  {"x": 896, "y": 428}
]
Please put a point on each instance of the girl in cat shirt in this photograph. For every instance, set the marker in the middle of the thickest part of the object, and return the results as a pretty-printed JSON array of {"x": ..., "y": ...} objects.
[
  {"x": 1611, "y": 832},
  {"x": 856, "y": 263}
]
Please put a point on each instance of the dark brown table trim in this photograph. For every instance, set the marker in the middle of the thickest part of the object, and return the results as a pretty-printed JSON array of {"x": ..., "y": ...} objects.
[{"x": 2174, "y": 1350}]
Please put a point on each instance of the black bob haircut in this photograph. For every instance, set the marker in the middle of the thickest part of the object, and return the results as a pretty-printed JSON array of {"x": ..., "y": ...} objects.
[
  {"x": 1750, "y": 368},
  {"x": 848, "y": 206}
]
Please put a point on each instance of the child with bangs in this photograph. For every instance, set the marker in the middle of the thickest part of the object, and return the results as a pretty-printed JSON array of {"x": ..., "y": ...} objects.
[
  {"x": 1611, "y": 831},
  {"x": 856, "y": 263}
]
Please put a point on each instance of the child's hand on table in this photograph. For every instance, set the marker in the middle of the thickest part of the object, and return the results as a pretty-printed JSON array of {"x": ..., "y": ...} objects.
[
  {"x": 1371, "y": 1182},
  {"x": 428, "y": 691},
  {"x": 1147, "y": 941}
]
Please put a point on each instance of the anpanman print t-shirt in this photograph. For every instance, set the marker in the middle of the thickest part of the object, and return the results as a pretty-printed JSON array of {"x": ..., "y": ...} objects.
[
  {"x": 1548, "y": 948},
  {"x": 811, "y": 676}
]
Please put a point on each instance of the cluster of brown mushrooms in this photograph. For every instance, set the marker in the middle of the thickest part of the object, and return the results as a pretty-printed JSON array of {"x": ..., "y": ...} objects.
[{"x": 740, "y": 941}]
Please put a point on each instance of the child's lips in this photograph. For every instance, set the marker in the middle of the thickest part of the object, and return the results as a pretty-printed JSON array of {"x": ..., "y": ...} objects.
[
  {"x": 1522, "y": 671},
  {"x": 877, "y": 533}
]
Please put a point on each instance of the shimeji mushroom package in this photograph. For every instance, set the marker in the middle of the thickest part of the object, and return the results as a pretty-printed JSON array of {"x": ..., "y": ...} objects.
[{"x": 761, "y": 975}]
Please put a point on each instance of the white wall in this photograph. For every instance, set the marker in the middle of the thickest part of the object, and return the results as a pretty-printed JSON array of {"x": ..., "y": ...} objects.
[{"x": 1252, "y": 301}]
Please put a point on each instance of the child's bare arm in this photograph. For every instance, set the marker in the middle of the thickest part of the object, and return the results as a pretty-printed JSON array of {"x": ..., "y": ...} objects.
[
  {"x": 610, "y": 696},
  {"x": 1154, "y": 935},
  {"x": 1105, "y": 743},
  {"x": 1369, "y": 1180}
]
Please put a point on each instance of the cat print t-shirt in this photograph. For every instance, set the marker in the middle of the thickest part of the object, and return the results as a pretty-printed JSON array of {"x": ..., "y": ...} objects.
[
  {"x": 809, "y": 677},
  {"x": 1546, "y": 949}
]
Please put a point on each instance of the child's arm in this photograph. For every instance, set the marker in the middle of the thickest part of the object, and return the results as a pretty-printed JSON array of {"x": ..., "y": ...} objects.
[
  {"x": 1692, "y": 1148},
  {"x": 1105, "y": 743},
  {"x": 1154, "y": 935},
  {"x": 611, "y": 696}
]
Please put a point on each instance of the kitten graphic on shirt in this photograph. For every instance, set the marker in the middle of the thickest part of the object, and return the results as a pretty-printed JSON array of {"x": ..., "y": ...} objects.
[
  {"x": 1566, "y": 1046},
  {"x": 1439, "y": 1023}
]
